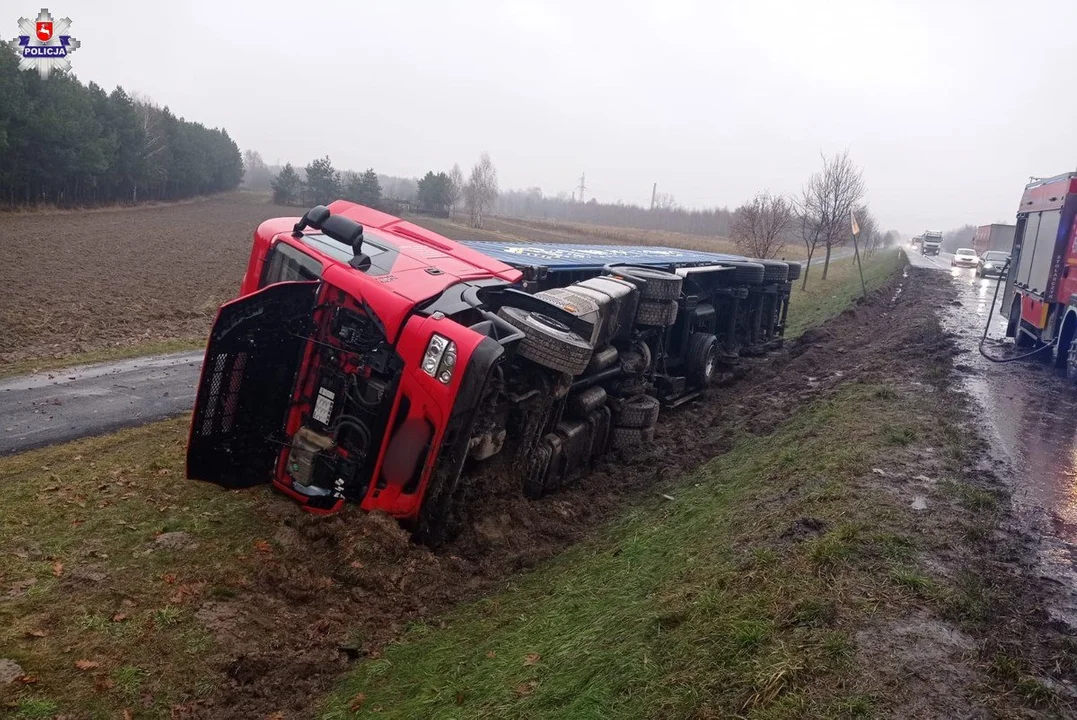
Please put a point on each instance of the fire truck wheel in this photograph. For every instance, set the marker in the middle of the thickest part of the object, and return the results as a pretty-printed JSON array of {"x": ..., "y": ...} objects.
[
  {"x": 656, "y": 314},
  {"x": 702, "y": 359},
  {"x": 1013, "y": 327},
  {"x": 632, "y": 438},
  {"x": 638, "y": 412},
  {"x": 794, "y": 270},
  {"x": 549, "y": 342},
  {"x": 657, "y": 285}
]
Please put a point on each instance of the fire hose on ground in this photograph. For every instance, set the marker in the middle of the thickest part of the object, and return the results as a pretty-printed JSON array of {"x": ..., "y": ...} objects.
[{"x": 987, "y": 325}]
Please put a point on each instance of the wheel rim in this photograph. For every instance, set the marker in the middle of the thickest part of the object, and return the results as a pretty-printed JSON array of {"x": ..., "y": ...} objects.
[
  {"x": 709, "y": 365},
  {"x": 550, "y": 322}
]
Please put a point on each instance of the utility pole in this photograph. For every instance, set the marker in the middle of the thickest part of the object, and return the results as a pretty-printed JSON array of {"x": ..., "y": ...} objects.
[
  {"x": 654, "y": 193},
  {"x": 583, "y": 186}
]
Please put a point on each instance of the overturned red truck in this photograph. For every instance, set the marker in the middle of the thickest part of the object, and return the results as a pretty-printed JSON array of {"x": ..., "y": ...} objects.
[
  {"x": 370, "y": 360},
  {"x": 1040, "y": 299}
]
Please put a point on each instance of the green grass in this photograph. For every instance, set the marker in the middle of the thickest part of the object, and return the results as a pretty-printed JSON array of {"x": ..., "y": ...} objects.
[
  {"x": 824, "y": 299},
  {"x": 123, "y": 352},
  {"x": 79, "y": 523},
  {"x": 693, "y": 608},
  {"x": 94, "y": 507}
]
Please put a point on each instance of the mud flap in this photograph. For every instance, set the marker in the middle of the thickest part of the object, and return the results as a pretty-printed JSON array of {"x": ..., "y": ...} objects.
[{"x": 253, "y": 354}]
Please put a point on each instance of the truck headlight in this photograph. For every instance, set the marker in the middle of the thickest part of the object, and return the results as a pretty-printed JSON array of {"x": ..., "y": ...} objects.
[{"x": 440, "y": 358}]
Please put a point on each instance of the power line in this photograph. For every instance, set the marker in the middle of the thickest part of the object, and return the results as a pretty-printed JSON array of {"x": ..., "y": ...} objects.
[{"x": 583, "y": 186}]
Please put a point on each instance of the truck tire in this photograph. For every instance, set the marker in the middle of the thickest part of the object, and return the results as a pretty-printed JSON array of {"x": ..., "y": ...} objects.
[
  {"x": 774, "y": 271},
  {"x": 640, "y": 411},
  {"x": 582, "y": 404},
  {"x": 535, "y": 475},
  {"x": 745, "y": 273},
  {"x": 794, "y": 270},
  {"x": 548, "y": 342},
  {"x": 702, "y": 359},
  {"x": 572, "y": 302},
  {"x": 632, "y": 438},
  {"x": 657, "y": 285},
  {"x": 1013, "y": 327},
  {"x": 656, "y": 314}
]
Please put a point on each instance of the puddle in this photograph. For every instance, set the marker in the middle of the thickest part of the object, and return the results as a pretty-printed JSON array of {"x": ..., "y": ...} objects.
[{"x": 1029, "y": 414}]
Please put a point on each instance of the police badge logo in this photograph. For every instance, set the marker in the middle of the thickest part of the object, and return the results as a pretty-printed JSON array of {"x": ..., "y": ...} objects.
[{"x": 45, "y": 44}]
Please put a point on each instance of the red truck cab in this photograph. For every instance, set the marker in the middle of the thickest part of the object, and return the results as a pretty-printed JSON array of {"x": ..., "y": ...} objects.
[{"x": 361, "y": 406}]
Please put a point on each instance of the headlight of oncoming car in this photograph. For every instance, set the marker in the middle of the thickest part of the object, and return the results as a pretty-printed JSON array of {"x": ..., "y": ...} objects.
[{"x": 440, "y": 358}]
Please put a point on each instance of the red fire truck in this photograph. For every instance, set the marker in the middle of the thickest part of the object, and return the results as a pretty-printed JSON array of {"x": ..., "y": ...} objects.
[{"x": 1040, "y": 300}]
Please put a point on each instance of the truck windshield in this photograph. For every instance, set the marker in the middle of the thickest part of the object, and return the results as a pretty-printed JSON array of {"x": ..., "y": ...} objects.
[{"x": 381, "y": 252}]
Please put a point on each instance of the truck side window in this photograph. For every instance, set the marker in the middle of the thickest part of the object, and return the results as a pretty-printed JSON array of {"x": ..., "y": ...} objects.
[{"x": 285, "y": 264}]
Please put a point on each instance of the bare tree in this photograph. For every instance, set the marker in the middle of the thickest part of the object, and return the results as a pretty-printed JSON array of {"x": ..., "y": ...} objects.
[
  {"x": 761, "y": 226},
  {"x": 481, "y": 190},
  {"x": 154, "y": 141},
  {"x": 825, "y": 205},
  {"x": 808, "y": 226},
  {"x": 665, "y": 201},
  {"x": 456, "y": 188}
]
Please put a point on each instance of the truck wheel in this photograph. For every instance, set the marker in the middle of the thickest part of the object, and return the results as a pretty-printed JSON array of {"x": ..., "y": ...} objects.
[
  {"x": 794, "y": 270},
  {"x": 548, "y": 342},
  {"x": 774, "y": 271},
  {"x": 702, "y": 359},
  {"x": 657, "y": 284},
  {"x": 535, "y": 478},
  {"x": 1013, "y": 327},
  {"x": 656, "y": 314},
  {"x": 583, "y": 404},
  {"x": 632, "y": 438},
  {"x": 638, "y": 412},
  {"x": 745, "y": 273}
]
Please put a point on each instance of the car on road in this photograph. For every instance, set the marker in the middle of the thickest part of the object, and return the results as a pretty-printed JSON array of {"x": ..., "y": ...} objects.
[
  {"x": 991, "y": 263},
  {"x": 964, "y": 257}
]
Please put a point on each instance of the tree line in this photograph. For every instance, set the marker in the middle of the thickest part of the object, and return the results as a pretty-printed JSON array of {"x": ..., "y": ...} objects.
[
  {"x": 69, "y": 144},
  {"x": 665, "y": 215},
  {"x": 319, "y": 183}
]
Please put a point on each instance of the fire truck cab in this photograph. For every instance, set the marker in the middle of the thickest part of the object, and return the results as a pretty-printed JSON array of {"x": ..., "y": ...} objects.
[{"x": 1040, "y": 297}]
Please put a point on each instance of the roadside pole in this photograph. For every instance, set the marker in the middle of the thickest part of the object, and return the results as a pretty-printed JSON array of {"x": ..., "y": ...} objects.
[{"x": 856, "y": 252}]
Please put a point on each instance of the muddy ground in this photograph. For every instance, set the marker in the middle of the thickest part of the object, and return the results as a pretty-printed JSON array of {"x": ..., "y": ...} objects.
[
  {"x": 83, "y": 281},
  {"x": 79, "y": 281},
  {"x": 340, "y": 588}
]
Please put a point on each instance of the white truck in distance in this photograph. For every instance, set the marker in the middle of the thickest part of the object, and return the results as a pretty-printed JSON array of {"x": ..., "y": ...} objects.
[{"x": 931, "y": 243}]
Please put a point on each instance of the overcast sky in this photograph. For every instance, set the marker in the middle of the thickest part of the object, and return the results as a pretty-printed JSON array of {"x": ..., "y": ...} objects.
[{"x": 948, "y": 106}]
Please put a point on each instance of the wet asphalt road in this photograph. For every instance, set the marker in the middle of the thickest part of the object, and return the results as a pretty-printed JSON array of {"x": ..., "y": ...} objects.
[
  {"x": 61, "y": 405},
  {"x": 1029, "y": 415}
]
